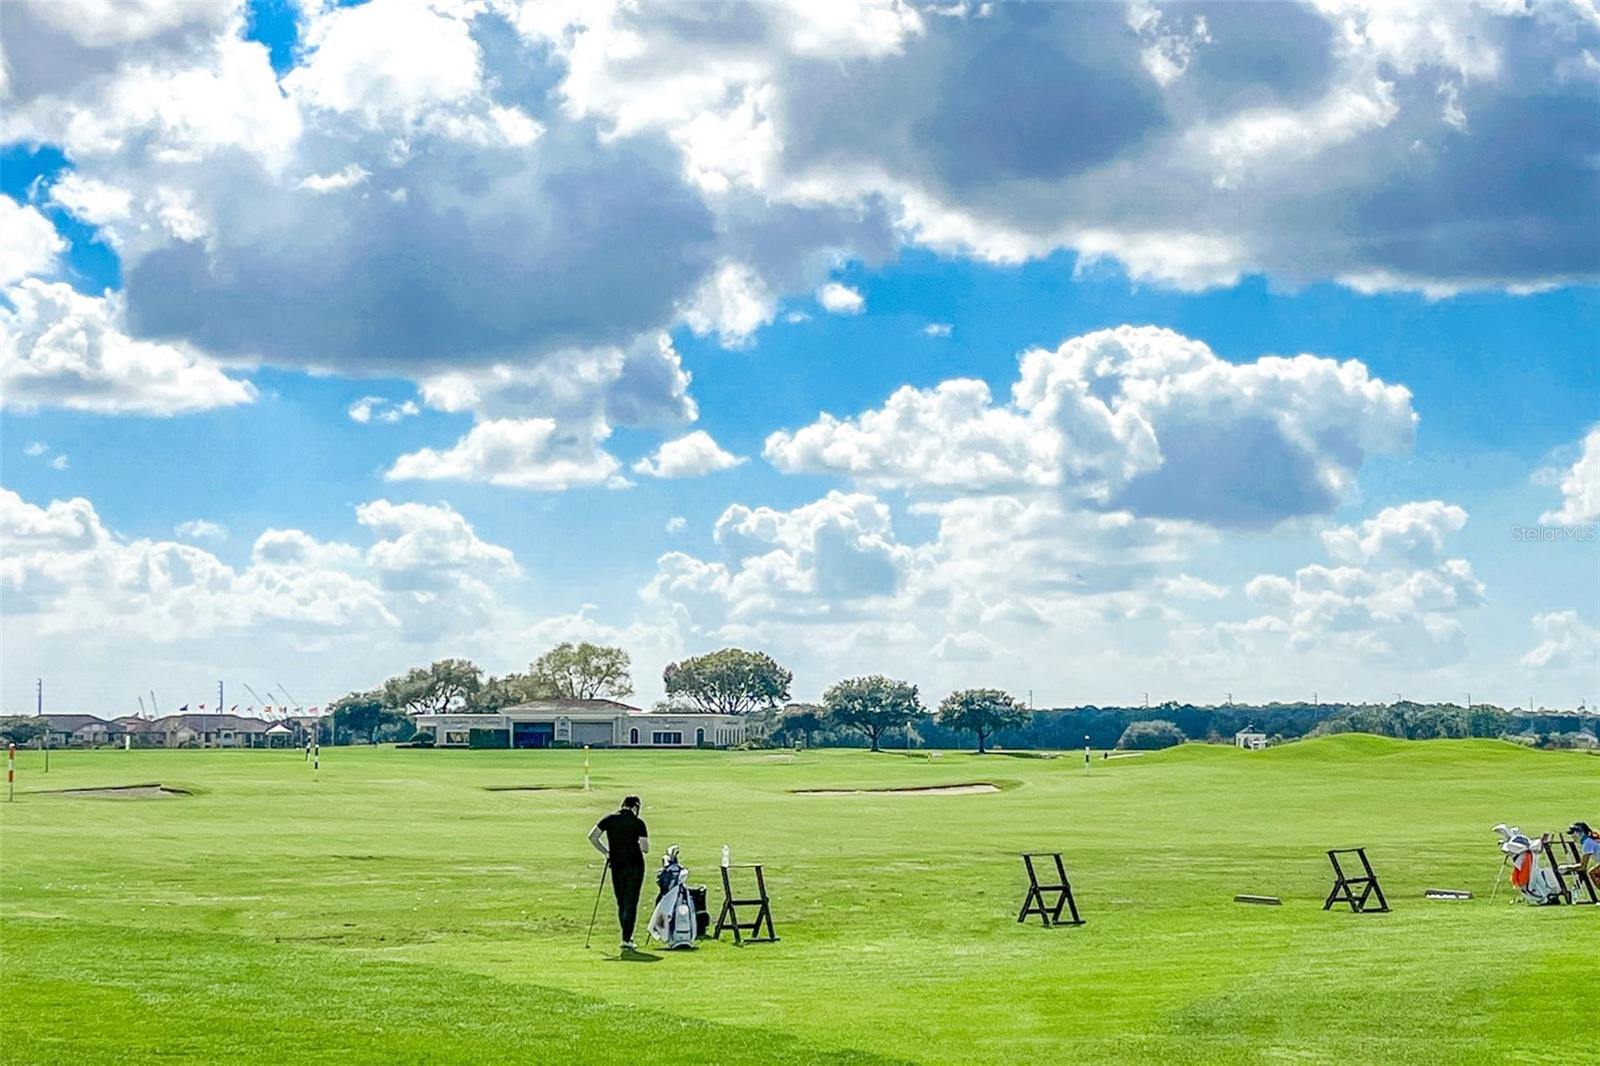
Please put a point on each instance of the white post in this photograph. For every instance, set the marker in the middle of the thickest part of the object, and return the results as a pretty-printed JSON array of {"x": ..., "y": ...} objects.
[
  {"x": 127, "y": 742},
  {"x": 1086, "y": 753},
  {"x": 586, "y": 767},
  {"x": 11, "y": 775}
]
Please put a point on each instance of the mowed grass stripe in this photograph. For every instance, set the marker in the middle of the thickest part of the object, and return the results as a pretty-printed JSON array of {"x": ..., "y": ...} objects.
[{"x": 106, "y": 993}]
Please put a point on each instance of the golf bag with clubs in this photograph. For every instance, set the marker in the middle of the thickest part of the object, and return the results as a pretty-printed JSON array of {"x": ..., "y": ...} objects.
[
  {"x": 673, "y": 923},
  {"x": 1529, "y": 875}
]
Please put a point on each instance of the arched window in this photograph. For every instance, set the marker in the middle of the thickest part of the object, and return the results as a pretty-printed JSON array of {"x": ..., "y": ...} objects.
[
  {"x": 633, "y": 736},
  {"x": 699, "y": 737}
]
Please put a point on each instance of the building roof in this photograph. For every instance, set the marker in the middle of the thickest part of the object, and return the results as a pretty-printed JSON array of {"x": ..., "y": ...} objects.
[
  {"x": 574, "y": 709},
  {"x": 1248, "y": 731},
  {"x": 201, "y": 722},
  {"x": 69, "y": 722},
  {"x": 576, "y": 706}
]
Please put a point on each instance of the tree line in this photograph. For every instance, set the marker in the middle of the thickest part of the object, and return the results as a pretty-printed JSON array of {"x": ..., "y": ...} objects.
[
  {"x": 874, "y": 711},
  {"x": 728, "y": 681}
]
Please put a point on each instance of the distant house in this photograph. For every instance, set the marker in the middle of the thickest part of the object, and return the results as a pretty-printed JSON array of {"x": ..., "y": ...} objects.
[
  {"x": 206, "y": 731},
  {"x": 171, "y": 731},
  {"x": 1250, "y": 738},
  {"x": 577, "y": 723},
  {"x": 76, "y": 730}
]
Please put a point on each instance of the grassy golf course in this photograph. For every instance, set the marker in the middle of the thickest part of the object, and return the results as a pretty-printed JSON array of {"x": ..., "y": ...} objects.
[{"x": 400, "y": 906}]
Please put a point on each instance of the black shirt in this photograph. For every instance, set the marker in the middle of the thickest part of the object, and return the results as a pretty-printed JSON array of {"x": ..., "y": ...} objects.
[{"x": 623, "y": 831}]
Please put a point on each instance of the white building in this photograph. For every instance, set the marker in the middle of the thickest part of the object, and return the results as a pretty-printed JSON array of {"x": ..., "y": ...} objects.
[
  {"x": 1250, "y": 738},
  {"x": 576, "y": 723}
]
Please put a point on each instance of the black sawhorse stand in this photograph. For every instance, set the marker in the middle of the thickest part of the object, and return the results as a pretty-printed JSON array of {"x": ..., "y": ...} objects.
[
  {"x": 1344, "y": 886},
  {"x": 1573, "y": 869},
  {"x": 728, "y": 918},
  {"x": 1034, "y": 901}
]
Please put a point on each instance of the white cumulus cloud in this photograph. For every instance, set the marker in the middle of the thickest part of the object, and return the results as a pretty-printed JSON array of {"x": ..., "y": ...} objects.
[
  {"x": 29, "y": 243},
  {"x": 837, "y": 299},
  {"x": 522, "y": 453},
  {"x": 59, "y": 348},
  {"x": 693, "y": 455},
  {"x": 1136, "y": 418},
  {"x": 1580, "y": 485},
  {"x": 201, "y": 529},
  {"x": 1566, "y": 642}
]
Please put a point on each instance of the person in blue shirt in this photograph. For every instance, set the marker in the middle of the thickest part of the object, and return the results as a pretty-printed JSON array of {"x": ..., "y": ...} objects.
[{"x": 1588, "y": 852}]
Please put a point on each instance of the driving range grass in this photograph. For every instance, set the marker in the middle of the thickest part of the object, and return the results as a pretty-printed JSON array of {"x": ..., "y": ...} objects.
[{"x": 394, "y": 908}]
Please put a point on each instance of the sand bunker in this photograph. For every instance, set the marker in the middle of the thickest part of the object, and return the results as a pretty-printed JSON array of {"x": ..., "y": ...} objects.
[
  {"x": 921, "y": 790},
  {"x": 119, "y": 792}
]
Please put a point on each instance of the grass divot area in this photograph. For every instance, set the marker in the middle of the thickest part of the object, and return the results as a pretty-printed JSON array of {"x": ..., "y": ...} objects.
[
  {"x": 150, "y": 791},
  {"x": 973, "y": 789}
]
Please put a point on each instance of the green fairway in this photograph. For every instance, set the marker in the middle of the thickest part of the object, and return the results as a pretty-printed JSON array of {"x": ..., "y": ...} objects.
[{"x": 393, "y": 908}]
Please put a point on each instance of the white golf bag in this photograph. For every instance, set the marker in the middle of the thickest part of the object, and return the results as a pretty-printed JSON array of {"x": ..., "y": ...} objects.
[
  {"x": 673, "y": 923},
  {"x": 1529, "y": 875}
]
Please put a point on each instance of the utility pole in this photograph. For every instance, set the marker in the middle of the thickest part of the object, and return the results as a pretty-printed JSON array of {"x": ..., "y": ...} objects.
[
  {"x": 1147, "y": 701},
  {"x": 1230, "y": 699},
  {"x": 38, "y": 696}
]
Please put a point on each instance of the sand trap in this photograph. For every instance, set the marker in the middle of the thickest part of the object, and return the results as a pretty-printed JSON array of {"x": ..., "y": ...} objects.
[
  {"x": 117, "y": 792},
  {"x": 921, "y": 790}
]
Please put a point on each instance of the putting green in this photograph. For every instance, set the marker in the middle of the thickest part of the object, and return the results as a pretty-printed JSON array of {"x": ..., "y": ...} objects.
[{"x": 422, "y": 906}]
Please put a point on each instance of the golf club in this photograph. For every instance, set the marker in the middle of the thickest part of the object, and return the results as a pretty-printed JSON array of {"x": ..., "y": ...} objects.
[{"x": 595, "y": 913}]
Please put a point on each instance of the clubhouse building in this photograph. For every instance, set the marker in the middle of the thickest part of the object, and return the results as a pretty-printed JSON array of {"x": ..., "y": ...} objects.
[{"x": 580, "y": 723}]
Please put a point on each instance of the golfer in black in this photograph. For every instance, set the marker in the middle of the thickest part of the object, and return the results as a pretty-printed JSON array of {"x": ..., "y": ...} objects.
[{"x": 625, "y": 843}]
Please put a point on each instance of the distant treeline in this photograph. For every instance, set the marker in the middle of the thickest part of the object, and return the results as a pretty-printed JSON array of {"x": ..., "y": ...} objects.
[{"x": 1064, "y": 728}]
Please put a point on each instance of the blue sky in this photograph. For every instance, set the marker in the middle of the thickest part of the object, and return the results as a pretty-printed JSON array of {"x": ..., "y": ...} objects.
[{"x": 541, "y": 262}]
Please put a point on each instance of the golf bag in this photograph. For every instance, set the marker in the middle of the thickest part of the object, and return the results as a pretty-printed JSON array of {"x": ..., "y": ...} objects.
[
  {"x": 1529, "y": 875},
  {"x": 673, "y": 922}
]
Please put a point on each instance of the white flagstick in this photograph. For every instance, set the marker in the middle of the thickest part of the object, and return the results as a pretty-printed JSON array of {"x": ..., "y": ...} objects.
[
  {"x": 11, "y": 772},
  {"x": 586, "y": 767}
]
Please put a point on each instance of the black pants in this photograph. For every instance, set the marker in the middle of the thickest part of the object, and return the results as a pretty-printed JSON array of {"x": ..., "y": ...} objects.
[{"x": 626, "y": 881}]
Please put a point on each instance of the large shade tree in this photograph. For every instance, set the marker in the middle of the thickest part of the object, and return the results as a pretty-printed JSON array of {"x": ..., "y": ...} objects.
[
  {"x": 730, "y": 681},
  {"x": 872, "y": 705},
  {"x": 982, "y": 711},
  {"x": 498, "y": 693},
  {"x": 447, "y": 685},
  {"x": 581, "y": 672},
  {"x": 1151, "y": 736},
  {"x": 364, "y": 715}
]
